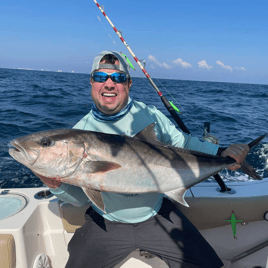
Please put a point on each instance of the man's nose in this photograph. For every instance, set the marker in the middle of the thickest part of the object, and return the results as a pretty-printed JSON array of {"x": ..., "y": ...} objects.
[{"x": 109, "y": 83}]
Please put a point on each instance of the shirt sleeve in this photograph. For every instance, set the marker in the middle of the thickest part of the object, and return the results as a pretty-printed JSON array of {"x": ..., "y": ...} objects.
[
  {"x": 70, "y": 194},
  {"x": 167, "y": 133}
]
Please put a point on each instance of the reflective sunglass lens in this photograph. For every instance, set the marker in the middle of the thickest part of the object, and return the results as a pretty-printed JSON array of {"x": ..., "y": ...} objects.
[
  {"x": 119, "y": 78},
  {"x": 99, "y": 77},
  {"x": 102, "y": 77}
]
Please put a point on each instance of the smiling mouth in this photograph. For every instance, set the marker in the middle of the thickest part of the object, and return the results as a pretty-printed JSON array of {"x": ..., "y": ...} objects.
[{"x": 109, "y": 94}]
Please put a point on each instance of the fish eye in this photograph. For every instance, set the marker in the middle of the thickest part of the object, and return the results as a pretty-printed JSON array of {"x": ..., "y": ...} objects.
[{"x": 45, "y": 142}]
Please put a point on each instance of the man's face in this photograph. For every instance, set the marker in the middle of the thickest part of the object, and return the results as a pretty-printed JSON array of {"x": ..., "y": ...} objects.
[{"x": 109, "y": 97}]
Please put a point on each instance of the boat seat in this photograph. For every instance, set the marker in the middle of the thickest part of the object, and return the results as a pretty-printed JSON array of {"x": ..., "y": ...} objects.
[
  {"x": 7, "y": 251},
  {"x": 72, "y": 217},
  {"x": 199, "y": 213}
]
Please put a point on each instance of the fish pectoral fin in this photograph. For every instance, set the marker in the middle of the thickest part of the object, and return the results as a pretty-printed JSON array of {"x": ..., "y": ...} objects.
[
  {"x": 248, "y": 169},
  {"x": 95, "y": 197},
  {"x": 100, "y": 166},
  {"x": 178, "y": 196}
]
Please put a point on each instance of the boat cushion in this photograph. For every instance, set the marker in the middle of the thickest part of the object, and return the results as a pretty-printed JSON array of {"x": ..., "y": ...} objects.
[
  {"x": 7, "y": 251},
  {"x": 212, "y": 212},
  {"x": 72, "y": 217}
]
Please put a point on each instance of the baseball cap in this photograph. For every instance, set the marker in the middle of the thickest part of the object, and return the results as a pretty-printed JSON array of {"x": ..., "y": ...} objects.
[{"x": 123, "y": 64}]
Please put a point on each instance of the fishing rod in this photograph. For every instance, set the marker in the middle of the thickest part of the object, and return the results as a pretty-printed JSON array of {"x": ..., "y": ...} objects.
[
  {"x": 169, "y": 106},
  {"x": 163, "y": 98}
]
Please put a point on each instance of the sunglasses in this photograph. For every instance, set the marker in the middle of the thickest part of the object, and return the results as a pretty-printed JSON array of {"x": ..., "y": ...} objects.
[{"x": 102, "y": 77}]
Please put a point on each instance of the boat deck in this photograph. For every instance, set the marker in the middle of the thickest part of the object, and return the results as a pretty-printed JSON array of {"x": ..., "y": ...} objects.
[{"x": 46, "y": 225}]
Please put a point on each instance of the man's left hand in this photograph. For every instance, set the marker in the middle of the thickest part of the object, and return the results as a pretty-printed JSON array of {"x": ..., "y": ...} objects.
[{"x": 237, "y": 152}]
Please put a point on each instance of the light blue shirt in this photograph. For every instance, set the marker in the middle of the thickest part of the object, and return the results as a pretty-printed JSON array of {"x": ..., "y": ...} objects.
[{"x": 132, "y": 208}]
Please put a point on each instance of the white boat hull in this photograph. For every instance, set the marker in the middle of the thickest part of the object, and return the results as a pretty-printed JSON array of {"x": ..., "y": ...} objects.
[{"x": 39, "y": 228}]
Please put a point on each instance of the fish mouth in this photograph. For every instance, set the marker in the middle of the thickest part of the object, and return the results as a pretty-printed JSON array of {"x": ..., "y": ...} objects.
[{"x": 19, "y": 153}]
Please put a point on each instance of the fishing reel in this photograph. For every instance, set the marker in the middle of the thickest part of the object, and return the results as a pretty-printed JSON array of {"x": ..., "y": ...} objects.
[{"x": 208, "y": 137}]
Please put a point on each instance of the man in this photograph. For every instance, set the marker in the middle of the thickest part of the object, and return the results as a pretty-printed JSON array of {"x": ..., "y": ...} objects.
[{"x": 146, "y": 221}]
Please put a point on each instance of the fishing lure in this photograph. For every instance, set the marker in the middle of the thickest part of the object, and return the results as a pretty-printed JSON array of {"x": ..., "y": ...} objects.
[
  {"x": 174, "y": 107},
  {"x": 233, "y": 222},
  {"x": 129, "y": 62}
]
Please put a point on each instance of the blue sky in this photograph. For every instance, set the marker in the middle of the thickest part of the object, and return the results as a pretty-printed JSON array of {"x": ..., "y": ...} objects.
[{"x": 225, "y": 41}]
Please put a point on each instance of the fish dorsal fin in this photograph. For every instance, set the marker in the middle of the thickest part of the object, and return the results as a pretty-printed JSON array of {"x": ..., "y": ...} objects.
[
  {"x": 178, "y": 195},
  {"x": 95, "y": 197},
  {"x": 147, "y": 134}
]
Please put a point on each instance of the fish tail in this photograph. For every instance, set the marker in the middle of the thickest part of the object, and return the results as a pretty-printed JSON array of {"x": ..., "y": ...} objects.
[
  {"x": 257, "y": 141},
  {"x": 245, "y": 166},
  {"x": 249, "y": 170}
]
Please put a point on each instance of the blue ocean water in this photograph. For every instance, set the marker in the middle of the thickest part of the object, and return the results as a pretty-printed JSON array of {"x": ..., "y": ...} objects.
[{"x": 32, "y": 101}]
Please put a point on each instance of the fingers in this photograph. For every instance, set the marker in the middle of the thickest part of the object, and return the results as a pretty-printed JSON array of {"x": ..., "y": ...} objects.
[
  {"x": 237, "y": 151},
  {"x": 234, "y": 167}
]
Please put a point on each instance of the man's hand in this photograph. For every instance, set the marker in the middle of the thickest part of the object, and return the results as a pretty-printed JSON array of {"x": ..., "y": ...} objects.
[{"x": 237, "y": 152}]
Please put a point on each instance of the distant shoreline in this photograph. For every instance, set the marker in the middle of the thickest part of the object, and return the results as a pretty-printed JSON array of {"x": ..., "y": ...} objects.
[{"x": 72, "y": 72}]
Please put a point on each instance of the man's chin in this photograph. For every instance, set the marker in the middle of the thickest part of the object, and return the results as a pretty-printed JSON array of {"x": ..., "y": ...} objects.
[{"x": 109, "y": 110}]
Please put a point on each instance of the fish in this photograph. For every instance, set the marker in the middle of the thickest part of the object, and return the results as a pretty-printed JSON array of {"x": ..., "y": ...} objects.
[{"x": 99, "y": 162}]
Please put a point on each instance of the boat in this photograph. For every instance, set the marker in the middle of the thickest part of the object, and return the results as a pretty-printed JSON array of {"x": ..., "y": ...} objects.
[{"x": 35, "y": 227}]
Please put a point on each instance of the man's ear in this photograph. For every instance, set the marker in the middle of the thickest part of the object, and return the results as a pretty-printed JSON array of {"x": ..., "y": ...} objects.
[
  {"x": 129, "y": 83},
  {"x": 91, "y": 81}
]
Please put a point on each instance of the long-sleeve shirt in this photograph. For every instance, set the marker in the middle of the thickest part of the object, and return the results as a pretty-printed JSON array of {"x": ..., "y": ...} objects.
[{"x": 132, "y": 208}]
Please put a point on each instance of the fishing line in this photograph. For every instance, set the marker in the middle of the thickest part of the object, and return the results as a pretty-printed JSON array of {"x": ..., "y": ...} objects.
[
  {"x": 131, "y": 52},
  {"x": 152, "y": 84},
  {"x": 185, "y": 113},
  {"x": 114, "y": 42},
  {"x": 172, "y": 109},
  {"x": 105, "y": 28}
]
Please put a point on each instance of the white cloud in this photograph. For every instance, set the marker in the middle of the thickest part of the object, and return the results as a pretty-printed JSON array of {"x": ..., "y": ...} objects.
[
  {"x": 182, "y": 63},
  {"x": 203, "y": 65},
  {"x": 157, "y": 63},
  {"x": 226, "y": 67},
  {"x": 240, "y": 68}
]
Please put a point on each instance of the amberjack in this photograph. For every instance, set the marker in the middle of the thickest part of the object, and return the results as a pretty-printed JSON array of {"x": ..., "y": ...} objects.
[{"x": 99, "y": 162}]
